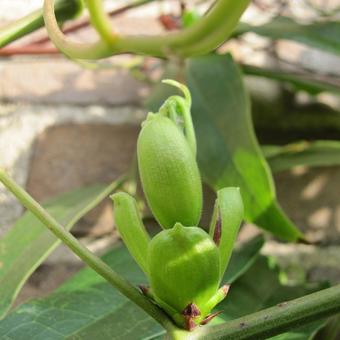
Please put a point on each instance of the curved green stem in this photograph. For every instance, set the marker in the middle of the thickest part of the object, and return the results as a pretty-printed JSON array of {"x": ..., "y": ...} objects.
[
  {"x": 76, "y": 50},
  {"x": 203, "y": 36},
  {"x": 183, "y": 105},
  {"x": 219, "y": 27},
  {"x": 101, "y": 21},
  {"x": 275, "y": 320},
  {"x": 88, "y": 257},
  {"x": 64, "y": 10}
]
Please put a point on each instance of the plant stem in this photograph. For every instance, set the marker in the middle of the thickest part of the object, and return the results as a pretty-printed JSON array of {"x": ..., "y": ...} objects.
[
  {"x": 88, "y": 257},
  {"x": 275, "y": 320},
  {"x": 85, "y": 23},
  {"x": 35, "y": 47},
  {"x": 202, "y": 37},
  {"x": 101, "y": 20},
  {"x": 64, "y": 9}
]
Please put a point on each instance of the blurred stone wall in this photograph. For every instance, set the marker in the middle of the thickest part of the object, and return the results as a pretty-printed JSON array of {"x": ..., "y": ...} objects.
[{"x": 47, "y": 95}]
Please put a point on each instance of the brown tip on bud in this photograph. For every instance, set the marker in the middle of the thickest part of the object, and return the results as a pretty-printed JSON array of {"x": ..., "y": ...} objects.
[
  {"x": 225, "y": 289},
  {"x": 218, "y": 230},
  {"x": 145, "y": 290},
  {"x": 209, "y": 318},
  {"x": 191, "y": 311}
]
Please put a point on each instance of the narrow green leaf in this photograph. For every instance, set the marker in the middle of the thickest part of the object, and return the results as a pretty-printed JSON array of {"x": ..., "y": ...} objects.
[
  {"x": 226, "y": 222},
  {"x": 324, "y": 35},
  {"x": 228, "y": 152},
  {"x": 311, "y": 83},
  {"x": 28, "y": 242},
  {"x": 315, "y": 154},
  {"x": 65, "y": 9},
  {"x": 86, "y": 307}
]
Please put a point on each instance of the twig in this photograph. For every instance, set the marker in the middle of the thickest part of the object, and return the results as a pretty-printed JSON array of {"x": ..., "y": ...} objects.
[
  {"x": 86, "y": 22},
  {"x": 278, "y": 319},
  {"x": 27, "y": 50},
  {"x": 93, "y": 261}
]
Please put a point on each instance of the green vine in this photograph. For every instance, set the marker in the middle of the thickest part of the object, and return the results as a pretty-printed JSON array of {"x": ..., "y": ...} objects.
[
  {"x": 203, "y": 36},
  {"x": 64, "y": 10},
  {"x": 277, "y": 319},
  {"x": 101, "y": 21},
  {"x": 93, "y": 261}
]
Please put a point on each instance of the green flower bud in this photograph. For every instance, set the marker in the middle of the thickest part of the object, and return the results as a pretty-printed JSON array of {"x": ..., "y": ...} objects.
[
  {"x": 184, "y": 273},
  {"x": 167, "y": 165}
]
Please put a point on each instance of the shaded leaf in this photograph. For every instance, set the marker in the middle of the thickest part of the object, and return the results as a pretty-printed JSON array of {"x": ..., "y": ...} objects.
[
  {"x": 316, "y": 154},
  {"x": 242, "y": 259},
  {"x": 311, "y": 83},
  {"x": 228, "y": 152},
  {"x": 261, "y": 288},
  {"x": 87, "y": 307},
  {"x": 29, "y": 242},
  {"x": 324, "y": 35}
]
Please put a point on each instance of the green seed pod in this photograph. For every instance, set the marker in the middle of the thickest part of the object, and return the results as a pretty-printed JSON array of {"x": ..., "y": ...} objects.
[
  {"x": 169, "y": 173},
  {"x": 184, "y": 273}
]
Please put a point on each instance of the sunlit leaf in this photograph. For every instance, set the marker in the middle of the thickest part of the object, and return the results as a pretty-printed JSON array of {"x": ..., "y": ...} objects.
[{"x": 228, "y": 152}]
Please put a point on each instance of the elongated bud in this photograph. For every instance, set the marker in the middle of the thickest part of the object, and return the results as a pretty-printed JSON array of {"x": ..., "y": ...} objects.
[
  {"x": 184, "y": 273},
  {"x": 131, "y": 228},
  {"x": 225, "y": 223},
  {"x": 168, "y": 168}
]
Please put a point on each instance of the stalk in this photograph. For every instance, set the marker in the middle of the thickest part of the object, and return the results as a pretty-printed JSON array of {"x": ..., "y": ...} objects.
[
  {"x": 64, "y": 10},
  {"x": 278, "y": 319},
  {"x": 101, "y": 20},
  {"x": 202, "y": 37},
  {"x": 93, "y": 261}
]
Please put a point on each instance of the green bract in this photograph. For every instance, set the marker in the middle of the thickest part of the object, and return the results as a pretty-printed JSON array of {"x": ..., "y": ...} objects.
[{"x": 183, "y": 263}]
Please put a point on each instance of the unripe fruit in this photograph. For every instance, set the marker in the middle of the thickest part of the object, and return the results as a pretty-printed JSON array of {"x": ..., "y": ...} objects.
[
  {"x": 169, "y": 173},
  {"x": 184, "y": 271}
]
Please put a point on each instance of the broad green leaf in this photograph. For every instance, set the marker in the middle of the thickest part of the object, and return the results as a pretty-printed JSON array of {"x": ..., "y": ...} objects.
[
  {"x": 315, "y": 154},
  {"x": 228, "y": 152},
  {"x": 86, "y": 307},
  {"x": 324, "y": 35},
  {"x": 261, "y": 288},
  {"x": 310, "y": 83},
  {"x": 29, "y": 242}
]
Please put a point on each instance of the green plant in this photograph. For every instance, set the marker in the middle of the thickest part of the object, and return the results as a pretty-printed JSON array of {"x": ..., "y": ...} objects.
[
  {"x": 228, "y": 155},
  {"x": 184, "y": 265}
]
